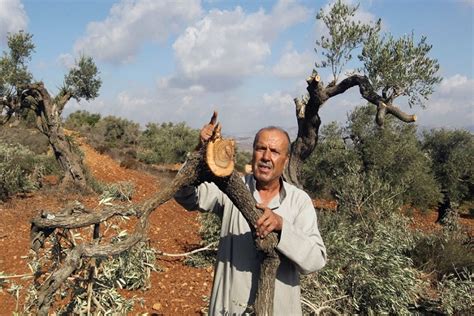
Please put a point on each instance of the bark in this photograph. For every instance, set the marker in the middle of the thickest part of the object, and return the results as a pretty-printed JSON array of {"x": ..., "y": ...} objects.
[
  {"x": 444, "y": 208},
  {"x": 307, "y": 114}
]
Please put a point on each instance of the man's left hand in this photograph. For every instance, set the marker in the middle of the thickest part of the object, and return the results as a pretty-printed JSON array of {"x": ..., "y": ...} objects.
[{"x": 268, "y": 222}]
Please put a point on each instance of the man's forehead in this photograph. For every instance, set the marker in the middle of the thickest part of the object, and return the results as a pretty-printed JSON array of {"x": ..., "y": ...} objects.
[{"x": 271, "y": 135}]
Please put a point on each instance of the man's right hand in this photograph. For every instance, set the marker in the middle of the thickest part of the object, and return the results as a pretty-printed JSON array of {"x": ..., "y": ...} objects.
[{"x": 208, "y": 129}]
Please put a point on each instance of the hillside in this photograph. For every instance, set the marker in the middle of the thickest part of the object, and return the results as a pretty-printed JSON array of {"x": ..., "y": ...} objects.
[{"x": 175, "y": 289}]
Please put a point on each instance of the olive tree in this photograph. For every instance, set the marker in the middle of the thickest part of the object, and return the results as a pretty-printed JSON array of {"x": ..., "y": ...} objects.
[
  {"x": 19, "y": 92},
  {"x": 451, "y": 152},
  {"x": 394, "y": 154},
  {"x": 389, "y": 68}
]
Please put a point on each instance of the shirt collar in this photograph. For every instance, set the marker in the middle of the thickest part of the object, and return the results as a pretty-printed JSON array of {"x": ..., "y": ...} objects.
[{"x": 277, "y": 200}]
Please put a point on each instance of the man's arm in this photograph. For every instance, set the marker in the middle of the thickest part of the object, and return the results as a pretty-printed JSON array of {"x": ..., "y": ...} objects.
[{"x": 205, "y": 197}]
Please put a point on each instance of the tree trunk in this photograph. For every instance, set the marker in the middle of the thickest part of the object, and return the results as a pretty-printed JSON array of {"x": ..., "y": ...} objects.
[
  {"x": 69, "y": 160},
  {"x": 48, "y": 120},
  {"x": 444, "y": 208}
]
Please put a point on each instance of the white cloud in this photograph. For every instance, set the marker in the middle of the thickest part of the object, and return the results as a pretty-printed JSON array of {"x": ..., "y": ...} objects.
[
  {"x": 224, "y": 47},
  {"x": 66, "y": 60},
  {"x": 130, "y": 23},
  {"x": 456, "y": 84},
  {"x": 278, "y": 100},
  {"x": 452, "y": 105},
  {"x": 294, "y": 65},
  {"x": 12, "y": 18}
]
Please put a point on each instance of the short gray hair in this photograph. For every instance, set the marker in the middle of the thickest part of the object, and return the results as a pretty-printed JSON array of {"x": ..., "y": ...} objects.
[{"x": 273, "y": 128}]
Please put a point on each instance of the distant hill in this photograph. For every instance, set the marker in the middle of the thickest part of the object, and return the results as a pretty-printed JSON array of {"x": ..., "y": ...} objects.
[{"x": 245, "y": 140}]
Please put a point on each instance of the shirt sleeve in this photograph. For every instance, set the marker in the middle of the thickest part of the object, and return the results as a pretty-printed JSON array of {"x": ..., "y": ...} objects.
[
  {"x": 301, "y": 241},
  {"x": 205, "y": 197}
]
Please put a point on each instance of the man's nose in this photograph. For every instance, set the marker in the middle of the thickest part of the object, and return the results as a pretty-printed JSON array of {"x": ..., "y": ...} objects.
[{"x": 266, "y": 154}]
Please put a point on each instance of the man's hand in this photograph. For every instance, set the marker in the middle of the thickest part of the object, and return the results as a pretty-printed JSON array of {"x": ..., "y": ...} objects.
[
  {"x": 208, "y": 129},
  {"x": 268, "y": 222}
]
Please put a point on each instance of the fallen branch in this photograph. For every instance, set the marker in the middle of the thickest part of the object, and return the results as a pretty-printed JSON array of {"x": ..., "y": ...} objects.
[
  {"x": 208, "y": 247},
  {"x": 27, "y": 275}
]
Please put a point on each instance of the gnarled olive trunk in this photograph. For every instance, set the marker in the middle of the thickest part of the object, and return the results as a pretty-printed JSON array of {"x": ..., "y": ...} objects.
[{"x": 48, "y": 120}]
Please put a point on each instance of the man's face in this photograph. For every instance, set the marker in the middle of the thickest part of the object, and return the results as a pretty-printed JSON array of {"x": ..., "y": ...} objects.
[{"x": 270, "y": 156}]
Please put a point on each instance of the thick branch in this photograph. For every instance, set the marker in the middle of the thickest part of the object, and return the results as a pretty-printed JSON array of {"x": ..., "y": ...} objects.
[
  {"x": 80, "y": 220},
  {"x": 368, "y": 93},
  {"x": 62, "y": 99}
]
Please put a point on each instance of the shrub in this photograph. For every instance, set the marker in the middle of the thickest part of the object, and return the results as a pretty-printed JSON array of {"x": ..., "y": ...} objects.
[
  {"x": 368, "y": 271},
  {"x": 30, "y": 138},
  {"x": 210, "y": 234},
  {"x": 446, "y": 252},
  {"x": 81, "y": 121},
  {"x": 456, "y": 293},
  {"x": 167, "y": 143},
  {"x": 393, "y": 153},
  {"x": 328, "y": 161},
  {"x": 242, "y": 158},
  {"x": 20, "y": 170},
  {"x": 114, "y": 132}
]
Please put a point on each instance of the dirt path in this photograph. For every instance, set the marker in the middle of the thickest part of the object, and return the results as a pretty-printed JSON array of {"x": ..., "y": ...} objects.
[{"x": 176, "y": 290}]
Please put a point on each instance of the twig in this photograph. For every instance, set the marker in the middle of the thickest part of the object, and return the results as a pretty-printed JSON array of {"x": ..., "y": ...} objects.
[
  {"x": 161, "y": 253},
  {"x": 309, "y": 304},
  {"x": 335, "y": 299},
  {"x": 327, "y": 308},
  {"x": 29, "y": 275}
]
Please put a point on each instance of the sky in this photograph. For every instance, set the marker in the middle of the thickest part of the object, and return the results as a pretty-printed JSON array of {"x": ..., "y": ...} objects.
[{"x": 176, "y": 60}]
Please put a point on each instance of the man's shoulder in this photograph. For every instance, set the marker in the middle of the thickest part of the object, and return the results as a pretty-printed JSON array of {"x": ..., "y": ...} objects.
[{"x": 291, "y": 189}]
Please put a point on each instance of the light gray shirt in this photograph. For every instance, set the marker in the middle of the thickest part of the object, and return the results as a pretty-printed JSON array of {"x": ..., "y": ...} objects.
[{"x": 238, "y": 262}]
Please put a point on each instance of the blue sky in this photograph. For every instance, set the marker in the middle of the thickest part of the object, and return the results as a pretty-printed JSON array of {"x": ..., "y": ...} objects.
[{"x": 180, "y": 60}]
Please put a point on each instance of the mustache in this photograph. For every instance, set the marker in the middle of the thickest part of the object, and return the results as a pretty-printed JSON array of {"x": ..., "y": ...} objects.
[{"x": 265, "y": 164}]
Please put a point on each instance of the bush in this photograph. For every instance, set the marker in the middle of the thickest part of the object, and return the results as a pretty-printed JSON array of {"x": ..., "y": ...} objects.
[
  {"x": 20, "y": 170},
  {"x": 242, "y": 158},
  {"x": 167, "y": 143},
  {"x": 114, "y": 132},
  {"x": 368, "y": 271},
  {"x": 456, "y": 293},
  {"x": 328, "y": 161},
  {"x": 446, "y": 252},
  {"x": 210, "y": 234},
  {"x": 30, "y": 138},
  {"x": 81, "y": 121}
]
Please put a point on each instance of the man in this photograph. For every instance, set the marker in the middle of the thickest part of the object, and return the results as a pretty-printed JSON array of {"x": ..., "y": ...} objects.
[{"x": 287, "y": 210}]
